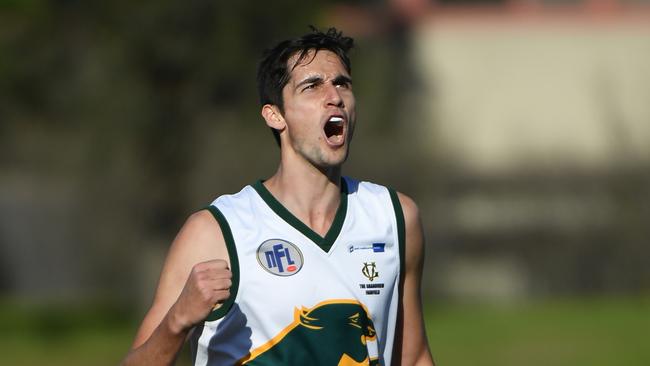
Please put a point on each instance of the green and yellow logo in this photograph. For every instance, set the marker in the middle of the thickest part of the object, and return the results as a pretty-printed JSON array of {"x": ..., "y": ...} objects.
[
  {"x": 332, "y": 333},
  {"x": 370, "y": 270}
]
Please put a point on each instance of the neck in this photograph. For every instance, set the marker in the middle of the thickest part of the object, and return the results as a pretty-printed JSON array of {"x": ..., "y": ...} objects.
[{"x": 309, "y": 193}]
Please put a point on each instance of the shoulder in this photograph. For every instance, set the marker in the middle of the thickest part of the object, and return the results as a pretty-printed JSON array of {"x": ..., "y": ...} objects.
[
  {"x": 355, "y": 186},
  {"x": 199, "y": 239},
  {"x": 414, "y": 232},
  {"x": 405, "y": 203},
  {"x": 238, "y": 205},
  {"x": 201, "y": 224},
  {"x": 410, "y": 209}
]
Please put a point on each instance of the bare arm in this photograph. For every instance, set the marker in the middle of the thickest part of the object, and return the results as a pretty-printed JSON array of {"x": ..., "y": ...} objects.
[
  {"x": 411, "y": 335},
  {"x": 194, "y": 278}
]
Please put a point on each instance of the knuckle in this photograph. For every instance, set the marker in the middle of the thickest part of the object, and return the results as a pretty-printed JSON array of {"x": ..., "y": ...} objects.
[
  {"x": 197, "y": 268},
  {"x": 199, "y": 277},
  {"x": 223, "y": 275}
]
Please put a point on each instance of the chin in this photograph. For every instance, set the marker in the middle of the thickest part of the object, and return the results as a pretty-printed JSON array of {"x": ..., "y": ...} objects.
[
  {"x": 324, "y": 158},
  {"x": 336, "y": 161}
]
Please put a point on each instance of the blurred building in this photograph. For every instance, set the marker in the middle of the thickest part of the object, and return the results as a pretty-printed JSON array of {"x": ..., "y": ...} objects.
[{"x": 534, "y": 118}]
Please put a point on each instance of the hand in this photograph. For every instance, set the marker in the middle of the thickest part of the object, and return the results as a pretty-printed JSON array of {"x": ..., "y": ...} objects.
[{"x": 207, "y": 286}]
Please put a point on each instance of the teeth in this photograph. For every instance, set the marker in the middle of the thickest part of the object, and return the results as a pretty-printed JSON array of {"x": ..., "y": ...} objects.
[{"x": 336, "y": 120}]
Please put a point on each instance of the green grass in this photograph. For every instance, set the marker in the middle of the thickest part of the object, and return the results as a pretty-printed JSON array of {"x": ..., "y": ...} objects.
[
  {"x": 88, "y": 334},
  {"x": 568, "y": 332},
  {"x": 558, "y": 332}
]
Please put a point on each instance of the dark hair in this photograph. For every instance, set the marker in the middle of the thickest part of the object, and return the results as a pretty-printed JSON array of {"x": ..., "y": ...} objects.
[{"x": 273, "y": 72}]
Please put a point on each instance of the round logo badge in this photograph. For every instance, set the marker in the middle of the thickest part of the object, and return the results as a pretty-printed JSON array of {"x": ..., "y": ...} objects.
[{"x": 279, "y": 257}]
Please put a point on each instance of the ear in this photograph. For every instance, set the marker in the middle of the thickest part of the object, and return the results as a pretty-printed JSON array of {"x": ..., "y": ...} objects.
[{"x": 273, "y": 117}]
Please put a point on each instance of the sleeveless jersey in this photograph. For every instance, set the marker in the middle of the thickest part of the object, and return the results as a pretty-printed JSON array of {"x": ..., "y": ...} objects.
[{"x": 301, "y": 299}]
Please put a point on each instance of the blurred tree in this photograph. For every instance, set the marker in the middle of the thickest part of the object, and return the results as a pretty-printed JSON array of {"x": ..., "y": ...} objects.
[{"x": 111, "y": 99}]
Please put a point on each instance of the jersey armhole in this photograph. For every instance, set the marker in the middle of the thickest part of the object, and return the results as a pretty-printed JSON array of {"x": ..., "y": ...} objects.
[
  {"x": 401, "y": 231},
  {"x": 234, "y": 264}
]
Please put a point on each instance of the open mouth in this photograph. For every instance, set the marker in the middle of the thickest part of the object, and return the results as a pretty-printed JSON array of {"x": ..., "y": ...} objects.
[{"x": 334, "y": 130}]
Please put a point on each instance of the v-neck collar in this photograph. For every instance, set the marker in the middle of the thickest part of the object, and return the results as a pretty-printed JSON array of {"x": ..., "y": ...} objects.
[{"x": 325, "y": 243}]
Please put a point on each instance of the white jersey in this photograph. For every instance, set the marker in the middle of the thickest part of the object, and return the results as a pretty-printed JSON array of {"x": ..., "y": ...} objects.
[{"x": 302, "y": 299}]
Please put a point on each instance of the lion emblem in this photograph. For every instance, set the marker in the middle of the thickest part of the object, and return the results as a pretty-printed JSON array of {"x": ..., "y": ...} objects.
[{"x": 332, "y": 333}]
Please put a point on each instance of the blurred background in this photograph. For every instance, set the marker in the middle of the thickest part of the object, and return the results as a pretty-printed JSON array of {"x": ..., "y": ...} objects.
[{"x": 521, "y": 128}]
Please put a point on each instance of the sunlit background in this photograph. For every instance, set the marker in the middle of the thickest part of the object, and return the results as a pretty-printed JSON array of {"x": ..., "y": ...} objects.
[{"x": 521, "y": 128}]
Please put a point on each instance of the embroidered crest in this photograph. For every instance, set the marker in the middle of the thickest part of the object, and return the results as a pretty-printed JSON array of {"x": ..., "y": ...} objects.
[{"x": 370, "y": 271}]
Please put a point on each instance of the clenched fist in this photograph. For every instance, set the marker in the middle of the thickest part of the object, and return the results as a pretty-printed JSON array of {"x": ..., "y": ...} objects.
[{"x": 207, "y": 286}]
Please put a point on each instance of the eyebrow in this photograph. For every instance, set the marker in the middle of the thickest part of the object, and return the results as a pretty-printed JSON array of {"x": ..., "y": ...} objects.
[
  {"x": 342, "y": 79},
  {"x": 310, "y": 80},
  {"x": 318, "y": 79}
]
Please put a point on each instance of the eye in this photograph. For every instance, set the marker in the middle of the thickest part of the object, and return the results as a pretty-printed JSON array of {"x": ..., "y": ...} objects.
[
  {"x": 309, "y": 87},
  {"x": 343, "y": 85},
  {"x": 342, "y": 82}
]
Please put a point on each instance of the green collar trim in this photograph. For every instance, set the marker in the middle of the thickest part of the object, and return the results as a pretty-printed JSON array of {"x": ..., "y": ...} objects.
[{"x": 325, "y": 243}]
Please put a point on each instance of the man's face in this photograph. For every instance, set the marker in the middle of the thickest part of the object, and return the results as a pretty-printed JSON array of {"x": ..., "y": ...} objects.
[{"x": 319, "y": 109}]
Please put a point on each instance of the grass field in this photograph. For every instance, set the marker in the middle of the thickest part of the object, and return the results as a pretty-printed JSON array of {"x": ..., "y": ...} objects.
[{"x": 555, "y": 332}]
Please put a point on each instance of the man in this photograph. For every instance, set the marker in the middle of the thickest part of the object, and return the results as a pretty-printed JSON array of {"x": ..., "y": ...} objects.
[{"x": 304, "y": 268}]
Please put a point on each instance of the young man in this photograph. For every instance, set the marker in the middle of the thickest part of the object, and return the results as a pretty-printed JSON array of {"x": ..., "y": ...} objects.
[{"x": 304, "y": 268}]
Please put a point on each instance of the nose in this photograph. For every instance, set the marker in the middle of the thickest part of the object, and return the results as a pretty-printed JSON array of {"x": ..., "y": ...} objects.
[{"x": 333, "y": 96}]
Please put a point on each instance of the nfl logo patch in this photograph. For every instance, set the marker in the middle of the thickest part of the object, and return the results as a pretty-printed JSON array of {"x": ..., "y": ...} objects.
[{"x": 279, "y": 257}]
